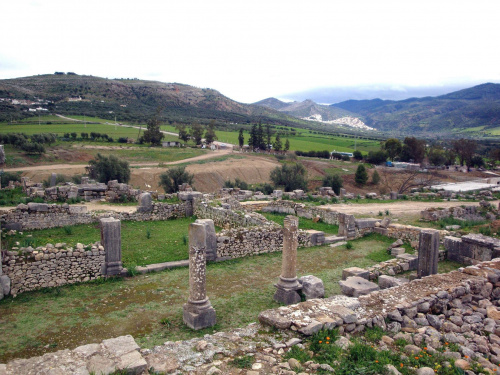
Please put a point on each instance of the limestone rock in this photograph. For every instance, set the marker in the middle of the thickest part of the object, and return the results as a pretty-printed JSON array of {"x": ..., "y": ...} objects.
[
  {"x": 312, "y": 287},
  {"x": 356, "y": 286}
]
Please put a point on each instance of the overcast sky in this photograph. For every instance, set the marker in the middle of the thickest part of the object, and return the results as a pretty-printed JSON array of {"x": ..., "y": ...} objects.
[{"x": 255, "y": 49}]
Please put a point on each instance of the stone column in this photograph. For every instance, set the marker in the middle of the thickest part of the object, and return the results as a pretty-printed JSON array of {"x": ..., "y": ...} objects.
[
  {"x": 428, "y": 252},
  {"x": 145, "y": 203},
  {"x": 288, "y": 285},
  {"x": 2, "y": 155},
  {"x": 198, "y": 312},
  {"x": 211, "y": 238},
  {"x": 53, "y": 179},
  {"x": 112, "y": 243}
]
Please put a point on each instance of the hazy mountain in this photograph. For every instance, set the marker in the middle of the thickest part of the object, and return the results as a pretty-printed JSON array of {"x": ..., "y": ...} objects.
[{"x": 456, "y": 111}]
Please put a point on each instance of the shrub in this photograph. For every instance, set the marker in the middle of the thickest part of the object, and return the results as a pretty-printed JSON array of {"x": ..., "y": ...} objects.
[
  {"x": 375, "y": 178},
  {"x": 335, "y": 182},
  {"x": 236, "y": 184},
  {"x": 291, "y": 177},
  {"x": 9, "y": 176},
  {"x": 33, "y": 148},
  {"x": 361, "y": 175},
  {"x": 376, "y": 157},
  {"x": 104, "y": 169},
  {"x": 172, "y": 178},
  {"x": 357, "y": 155},
  {"x": 122, "y": 140}
]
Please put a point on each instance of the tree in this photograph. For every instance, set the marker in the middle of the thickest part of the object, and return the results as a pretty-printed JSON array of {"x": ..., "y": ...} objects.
[
  {"x": 436, "y": 155},
  {"x": 252, "y": 141},
  {"x": 361, "y": 176},
  {"x": 287, "y": 145},
  {"x": 172, "y": 178},
  {"x": 277, "y": 145},
  {"x": 268, "y": 137},
  {"x": 335, "y": 182},
  {"x": 261, "y": 144},
  {"x": 495, "y": 155},
  {"x": 413, "y": 150},
  {"x": 392, "y": 147},
  {"x": 210, "y": 135},
  {"x": 291, "y": 177},
  {"x": 183, "y": 133},
  {"x": 465, "y": 149},
  {"x": 450, "y": 157},
  {"x": 375, "y": 178},
  {"x": 357, "y": 155},
  {"x": 105, "y": 169},
  {"x": 153, "y": 135},
  {"x": 376, "y": 157},
  {"x": 241, "y": 138},
  {"x": 477, "y": 161},
  {"x": 197, "y": 133}
]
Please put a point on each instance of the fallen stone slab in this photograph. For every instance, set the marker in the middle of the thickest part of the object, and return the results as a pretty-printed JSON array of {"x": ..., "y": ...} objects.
[
  {"x": 395, "y": 251},
  {"x": 312, "y": 287},
  {"x": 356, "y": 286},
  {"x": 355, "y": 271},
  {"x": 411, "y": 259},
  {"x": 334, "y": 239},
  {"x": 385, "y": 282},
  {"x": 162, "y": 266}
]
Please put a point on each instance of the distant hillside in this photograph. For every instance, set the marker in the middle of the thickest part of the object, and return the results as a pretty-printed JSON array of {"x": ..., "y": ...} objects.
[
  {"x": 478, "y": 106},
  {"x": 128, "y": 99},
  {"x": 305, "y": 109}
]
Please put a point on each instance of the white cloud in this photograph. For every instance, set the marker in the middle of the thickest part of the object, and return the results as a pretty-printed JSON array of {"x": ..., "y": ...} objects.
[{"x": 253, "y": 50}]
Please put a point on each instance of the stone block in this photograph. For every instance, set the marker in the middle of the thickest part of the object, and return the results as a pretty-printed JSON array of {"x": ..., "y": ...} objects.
[
  {"x": 395, "y": 251},
  {"x": 356, "y": 286},
  {"x": 77, "y": 209},
  {"x": 111, "y": 240},
  {"x": 411, "y": 259},
  {"x": 5, "y": 284},
  {"x": 53, "y": 179},
  {"x": 145, "y": 203},
  {"x": 13, "y": 226},
  {"x": 316, "y": 237},
  {"x": 428, "y": 252},
  {"x": 198, "y": 318},
  {"x": 394, "y": 195},
  {"x": 119, "y": 346},
  {"x": 386, "y": 221},
  {"x": 311, "y": 328},
  {"x": 347, "y": 315},
  {"x": 38, "y": 207},
  {"x": 312, "y": 287},
  {"x": 397, "y": 243},
  {"x": 452, "y": 245},
  {"x": 211, "y": 238},
  {"x": 366, "y": 223},
  {"x": 355, "y": 271},
  {"x": 133, "y": 363},
  {"x": 385, "y": 281}
]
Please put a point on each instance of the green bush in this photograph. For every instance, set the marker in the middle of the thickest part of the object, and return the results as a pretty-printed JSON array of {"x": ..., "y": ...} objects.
[
  {"x": 172, "y": 178},
  {"x": 335, "y": 182},
  {"x": 105, "y": 169},
  {"x": 361, "y": 176},
  {"x": 291, "y": 177}
]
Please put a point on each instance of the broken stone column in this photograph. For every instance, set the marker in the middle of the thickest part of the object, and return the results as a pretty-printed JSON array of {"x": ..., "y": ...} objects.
[
  {"x": 198, "y": 312},
  {"x": 53, "y": 179},
  {"x": 112, "y": 242},
  {"x": 394, "y": 195},
  {"x": 288, "y": 285},
  {"x": 347, "y": 226},
  {"x": 2, "y": 155},
  {"x": 211, "y": 238},
  {"x": 145, "y": 203},
  {"x": 428, "y": 252}
]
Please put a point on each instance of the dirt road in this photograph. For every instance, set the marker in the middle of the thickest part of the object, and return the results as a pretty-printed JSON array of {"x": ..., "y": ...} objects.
[
  {"x": 400, "y": 209},
  {"x": 210, "y": 155}
]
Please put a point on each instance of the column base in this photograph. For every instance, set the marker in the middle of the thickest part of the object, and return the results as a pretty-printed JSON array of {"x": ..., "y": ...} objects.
[
  {"x": 113, "y": 268},
  {"x": 199, "y": 314},
  {"x": 287, "y": 291}
]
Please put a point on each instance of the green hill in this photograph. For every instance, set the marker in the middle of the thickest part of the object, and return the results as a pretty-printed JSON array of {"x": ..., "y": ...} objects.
[{"x": 473, "y": 110}]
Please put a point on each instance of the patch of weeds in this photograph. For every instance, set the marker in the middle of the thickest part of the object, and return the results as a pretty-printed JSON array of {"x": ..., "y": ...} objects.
[
  {"x": 132, "y": 270},
  {"x": 245, "y": 361},
  {"x": 400, "y": 343},
  {"x": 374, "y": 334},
  {"x": 299, "y": 354},
  {"x": 485, "y": 230},
  {"x": 166, "y": 322},
  {"x": 380, "y": 213},
  {"x": 387, "y": 212},
  {"x": 148, "y": 233},
  {"x": 68, "y": 230},
  {"x": 379, "y": 256},
  {"x": 349, "y": 245},
  {"x": 28, "y": 241},
  {"x": 184, "y": 240}
]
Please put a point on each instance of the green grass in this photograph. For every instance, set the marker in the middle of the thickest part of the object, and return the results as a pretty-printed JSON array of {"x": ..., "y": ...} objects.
[
  {"x": 239, "y": 290},
  {"x": 166, "y": 242},
  {"x": 303, "y": 223}
]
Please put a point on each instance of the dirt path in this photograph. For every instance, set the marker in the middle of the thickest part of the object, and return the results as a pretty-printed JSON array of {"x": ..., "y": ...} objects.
[
  {"x": 210, "y": 155},
  {"x": 401, "y": 209}
]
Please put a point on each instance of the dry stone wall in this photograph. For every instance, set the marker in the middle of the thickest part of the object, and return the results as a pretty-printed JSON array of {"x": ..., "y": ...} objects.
[
  {"x": 472, "y": 248},
  {"x": 43, "y": 215},
  {"x": 241, "y": 242},
  {"x": 50, "y": 266},
  {"x": 301, "y": 210},
  {"x": 225, "y": 217}
]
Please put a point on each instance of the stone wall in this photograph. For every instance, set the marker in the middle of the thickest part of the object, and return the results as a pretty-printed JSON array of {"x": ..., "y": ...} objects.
[
  {"x": 240, "y": 242},
  {"x": 225, "y": 217},
  {"x": 301, "y": 210},
  {"x": 50, "y": 266},
  {"x": 472, "y": 248},
  {"x": 43, "y": 215}
]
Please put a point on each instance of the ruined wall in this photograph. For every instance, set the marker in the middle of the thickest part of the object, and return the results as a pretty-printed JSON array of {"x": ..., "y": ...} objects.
[
  {"x": 472, "y": 248},
  {"x": 43, "y": 215},
  {"x": 240, "y": 242},
  {"x": 301, "y": 210},
  {"x": 225, "y": 217},
  {"x": 50, "y": 266}
]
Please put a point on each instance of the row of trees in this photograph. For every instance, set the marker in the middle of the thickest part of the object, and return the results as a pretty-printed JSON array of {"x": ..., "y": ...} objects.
[
  {"x": 260, "y": 140},
  {"x": 196, "y": 132}
]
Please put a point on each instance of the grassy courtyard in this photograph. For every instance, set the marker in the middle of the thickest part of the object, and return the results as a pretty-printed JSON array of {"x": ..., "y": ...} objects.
[{"x": 149, "y": 307}]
